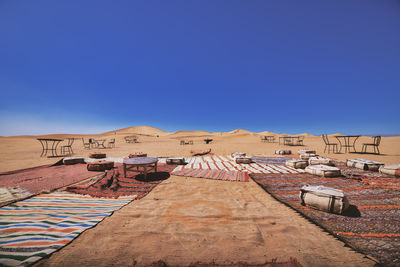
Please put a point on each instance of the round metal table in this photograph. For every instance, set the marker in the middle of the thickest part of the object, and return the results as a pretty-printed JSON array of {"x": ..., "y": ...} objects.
[
  {"x": 141, "y": 164},
  {"x": 49, "y": 144}
]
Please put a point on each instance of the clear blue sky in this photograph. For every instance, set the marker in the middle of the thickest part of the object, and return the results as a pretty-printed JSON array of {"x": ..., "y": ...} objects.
[{"x": 283, "y": 66}]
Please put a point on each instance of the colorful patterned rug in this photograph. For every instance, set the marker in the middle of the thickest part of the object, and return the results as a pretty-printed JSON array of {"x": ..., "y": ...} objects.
[
  {"x": 234, "y": 176},
  {"x": 371, "y": 224},
  {"x": 113, "y": 184},
  {"x": 270, "y": 160},
  {"x": 228, "y": 164},
  {"x": 44, "y": 178},
  {"x": 34, "y": 228}
]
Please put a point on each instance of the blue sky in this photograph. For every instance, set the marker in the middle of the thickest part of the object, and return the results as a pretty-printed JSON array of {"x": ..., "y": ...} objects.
[{"x": 282, "y": 66}]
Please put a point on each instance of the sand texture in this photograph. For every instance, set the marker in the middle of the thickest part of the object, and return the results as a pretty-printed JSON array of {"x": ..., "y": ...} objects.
[
  {"x": 24, "y": 151},
  {"x": 186, "y": 220}
]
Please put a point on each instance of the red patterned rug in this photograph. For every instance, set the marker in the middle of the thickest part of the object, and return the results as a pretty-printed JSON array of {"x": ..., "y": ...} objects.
[
  {"x": 372, "y": 223},
  {"x": 234, "y": 176},
  {"x": 45, "y": 178},
  {"x": 112, "y": 184}
]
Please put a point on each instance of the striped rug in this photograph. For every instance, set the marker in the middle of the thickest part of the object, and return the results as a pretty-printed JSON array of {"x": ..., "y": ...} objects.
[
  {"x": 34, "y": 228},
  {"x": 234, "y": 176},
  {"x": 228, "y": 164}
]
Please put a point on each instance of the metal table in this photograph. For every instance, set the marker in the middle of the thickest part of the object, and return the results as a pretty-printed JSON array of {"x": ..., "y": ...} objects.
[
  {"x": 347, "y": 141},
  {"x": 289, "y": 140},
  {"x": 100, "y": 143},
  {"x": 49, "y": 144},
  {"x": 141, "y": 164},
  {"x": 268, "y": 139}
]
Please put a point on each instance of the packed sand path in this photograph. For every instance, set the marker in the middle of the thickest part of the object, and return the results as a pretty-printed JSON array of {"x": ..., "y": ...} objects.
[{"x": 187, "y": 220}]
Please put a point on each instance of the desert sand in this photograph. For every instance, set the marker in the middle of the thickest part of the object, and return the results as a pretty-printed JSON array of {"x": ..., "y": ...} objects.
[{"x": 186, "y": 220}]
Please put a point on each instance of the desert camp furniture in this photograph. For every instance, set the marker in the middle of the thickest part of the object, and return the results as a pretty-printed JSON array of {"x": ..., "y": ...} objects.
[
  {"x": 67, "y": 149},
  {"x": 100, "y": 165},
  {"x": 364, "y": 164},
  {"x": 329, "y": 145},
  {"x": 268, "y": 138},
  {"x": 320, "y": 161},
  {"x": 137, "y": 154},
  {"x": 238, "y": 154},
  {"x": 176, "y": 160},
  {"x": 100, "y": 143},
  {"x": 207, "y": 140},
  {"x": 283, "y": 152},
  {"x": 297, "y": 163},
  {"x": 323, "y": 170},
  {"x": 73, "y": 160},
  {"x": 97, "y": 155},
  {"x": 375, "y": 145},
  {"x": 324, "y": 198},
  {"x": 292, "y": 140},
  {"x": 306, "y": 151},
  {"x": 49, "y": 144},
  {"x": 306, "y": 156},
  {"x": 141, "y": 164},
  {"x": 393, "y": 169},
  {"x": 111, "y": 143},
  {"x": 183, "y": 142},
  {"x": 131, "y": 139},
  {"x": 243, "y": 160},
  {"x": 86, "y": 145},
  {"x": 347, "y": 141}
]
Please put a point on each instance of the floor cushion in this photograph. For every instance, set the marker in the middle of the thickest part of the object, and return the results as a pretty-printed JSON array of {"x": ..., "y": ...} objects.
[
  {"x": 100, "y": 165},
  {"x": 324, "y": 198},
  {"x": 177, "y": 160},
  {"x": 238, "y": 154},
  {"x": 283, "y": 152},
  {"x": 323, "y": 170},
  {"x": 306, "y": 151},
  {"x": 297, "y": 163},
  {"x": 320, "y": 161},
  {"x": 393, "y": 169},
  {"x": 73, "y": 160},
  {"x": 137, "y": 154},
  {"x": 364, "y": 164},
  {"x": 307, "y": 156},
  {"x": 97, "y": 155},
  {"x": 243, "y": 160}
]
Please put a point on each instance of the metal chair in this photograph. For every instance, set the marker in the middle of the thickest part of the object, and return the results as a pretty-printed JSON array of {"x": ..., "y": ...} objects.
[
  {"x": 67, "y": 149},
  {"x": 375, "y": 145},
  {"x": 328, "y": 144},
  {"x": 111, "y": 143},
  {"x": 86, "y": 145}
]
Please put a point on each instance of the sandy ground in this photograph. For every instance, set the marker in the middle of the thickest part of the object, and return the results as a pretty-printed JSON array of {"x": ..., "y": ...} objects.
[
  {"x": 187, "y": 220},
  {"x": 24, "y": 151}
]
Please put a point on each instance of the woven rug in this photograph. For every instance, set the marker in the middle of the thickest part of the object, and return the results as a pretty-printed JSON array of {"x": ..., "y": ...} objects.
[
  {"x": 9, "y": 194},
  {"x": 213, "y": 174},
  {"x": 371, "y": 224},
  {"x": 43, "y": 179},
  {"x": 226, "y": 164},
  {"x": 34, "y": 228},
  {"x": 112, "y": 184},
  {"x": 270, "y": 160}
]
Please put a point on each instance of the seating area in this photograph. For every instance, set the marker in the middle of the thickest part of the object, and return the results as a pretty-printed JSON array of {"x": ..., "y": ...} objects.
[
  {"x": 268, "y": 138},
  {"x": 347, "y": 144},
  {"x": 131, "y": 139}
]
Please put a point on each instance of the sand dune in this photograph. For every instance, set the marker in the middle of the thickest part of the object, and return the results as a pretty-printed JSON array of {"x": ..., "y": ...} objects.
[
  {"x": 144, "y": 130},
  {"x": 189, "y": 134},
  {"x": 240, "y": 132}
]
